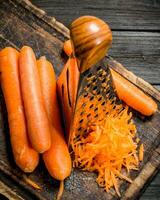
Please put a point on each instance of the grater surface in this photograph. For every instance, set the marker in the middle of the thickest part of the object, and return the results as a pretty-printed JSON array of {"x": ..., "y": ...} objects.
[{"x": 95, "y": 96}]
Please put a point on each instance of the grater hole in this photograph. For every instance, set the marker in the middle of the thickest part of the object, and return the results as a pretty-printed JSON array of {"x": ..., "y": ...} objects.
[
  {"x": 89, "y": 115},
  {"x": 101, "y": 75},
  {"x": 83, "y": 105},
  {"x": 82, "y": 113},
  {"x": 104, "y": 80},
  {"x": 95, "y": 87},
  {"x": 95, "y": 109},
  {"x": 114, "y": 106},
  {"x": 85, "y": 131},
  {"x": 111, "y": 96},
  {"x": 103, "y": 103},
  {"x": 81, "y": 121},
  {"x": 89, "y": 75},
  {"x": 94, "y": 80},
  {"x": 108, "y": 91},
  {"x": 112, "y": 102},
  {"x": 91, "y": 106},
  {"x": 96, "y": 116},
  {"x": 98, "y": 68},
  {"x": 91, "y": 98},
  {"x": 86, "y": 94},
  {"x": 88, "y": 85},
  {"x": 98, "y": 92},
  {"x": 100, "y": 98},
  {"x": 80, "y": 128},
  {"x": 77, "y": 137},
  {"x": 107, "y": 113}
]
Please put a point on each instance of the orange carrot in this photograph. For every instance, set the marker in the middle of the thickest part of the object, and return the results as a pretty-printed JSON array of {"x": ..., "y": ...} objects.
[
  {"x": 57, "y": 158},
  {"x": 67, "y": 85},
  {"x": 48, "y": 87},
  {"x": 60, "y": 192},
  {"x": 141, "y": 152},
  {"x": 133, "y": 96},
  {"x": 36, "y": 115},
  {"x": 67, "y": 47},
  {"x": 25, "y": 157}
]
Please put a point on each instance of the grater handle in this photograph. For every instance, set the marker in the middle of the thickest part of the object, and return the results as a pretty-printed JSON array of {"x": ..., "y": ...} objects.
[{"x": 91, "y": 38}]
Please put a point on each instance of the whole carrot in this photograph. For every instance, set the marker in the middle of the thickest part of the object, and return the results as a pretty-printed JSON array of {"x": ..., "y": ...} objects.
[
  {"x": 36, "y": 115},
  {"x": 133, "y": 96},
  {"x": 48, "y": 87},
  {"x": 67, "y": 85},
  {"x": 57, "y": 158},
  {"x": 126, "y": 91},
  {"x": 25, "y": 156}
]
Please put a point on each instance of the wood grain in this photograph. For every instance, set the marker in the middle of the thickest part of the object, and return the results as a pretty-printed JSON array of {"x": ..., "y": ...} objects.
[
  {"x": 130, "y": 15},
  {"x": 8, "y": 192},
  {"x": 37, "y": 30},
  {"x": 139, "y": 52},
  {"x": 91, "y": 38}
]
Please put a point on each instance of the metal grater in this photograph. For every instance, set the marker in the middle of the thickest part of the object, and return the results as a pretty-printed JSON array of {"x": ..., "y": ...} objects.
[{"x": 95, "y": 93}]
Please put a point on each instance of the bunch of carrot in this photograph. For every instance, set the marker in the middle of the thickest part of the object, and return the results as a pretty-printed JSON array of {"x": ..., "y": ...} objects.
[{"x": 29, "y": 89}]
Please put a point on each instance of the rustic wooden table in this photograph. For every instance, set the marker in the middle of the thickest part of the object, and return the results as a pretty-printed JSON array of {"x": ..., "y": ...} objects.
[{"x": 136, "y": 39}]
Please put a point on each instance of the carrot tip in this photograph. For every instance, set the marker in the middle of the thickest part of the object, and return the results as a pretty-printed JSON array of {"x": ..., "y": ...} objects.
[
  {"x": 60, "y": 192},
  {"x": 31, "y": 183},
  {"x": 43, "y": 57}
]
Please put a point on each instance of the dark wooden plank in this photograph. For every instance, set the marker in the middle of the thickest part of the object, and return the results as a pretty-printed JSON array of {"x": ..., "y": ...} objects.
[
  {"x": 135, "y": 50},
  {"x": 120, "y": 14},
  {"x": 131, "y": 59},
  {"x": 34, "y": 36},
  {"x": 8, "y": 192},
  {"x": 139, "y": 52},
  {"x": 36, "y": 30},
  {"x": 152, "y": 192},
  {"x": 157, "y": 87}
]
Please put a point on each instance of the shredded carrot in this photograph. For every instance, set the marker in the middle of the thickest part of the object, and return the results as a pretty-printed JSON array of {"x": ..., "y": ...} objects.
[
  {"x": 108, "y": 148},
  {"x": 31, "y": 183},
  {"x": 141, "y": 152},
  {"x": 137, "y": 140}
]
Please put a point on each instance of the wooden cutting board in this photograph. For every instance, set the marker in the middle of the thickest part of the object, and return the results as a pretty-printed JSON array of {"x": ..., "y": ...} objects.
[{"x": 23, "y": 24}]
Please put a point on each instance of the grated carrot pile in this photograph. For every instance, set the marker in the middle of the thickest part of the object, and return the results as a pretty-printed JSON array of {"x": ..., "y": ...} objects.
[{"x": 108, "y": 148}]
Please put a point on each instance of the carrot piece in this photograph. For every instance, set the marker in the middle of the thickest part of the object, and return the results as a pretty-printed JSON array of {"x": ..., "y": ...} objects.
[
  {"x": 57, "y": 158},
  {"x": 67, "y": 47},
  {"x": 114, "y": 181},
  {"x": 25, "y": 156},
  {"x": 36, "y": 116},
  {"x": 133, "y": 96},
  {"x": 141, "y": 152}
]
